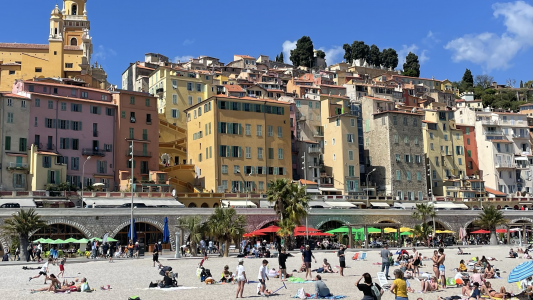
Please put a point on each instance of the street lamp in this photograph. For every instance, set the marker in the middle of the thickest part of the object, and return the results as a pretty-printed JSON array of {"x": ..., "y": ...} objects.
[
  {"x": 131, "y": 190},
  {"x": 305, "y": 191},
  {"x": 83, "y": 176},
  {"x": 366, "y": 191}
]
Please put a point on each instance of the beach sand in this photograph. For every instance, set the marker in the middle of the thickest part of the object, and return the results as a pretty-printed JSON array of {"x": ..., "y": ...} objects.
[{"x": 129, "y": 277}]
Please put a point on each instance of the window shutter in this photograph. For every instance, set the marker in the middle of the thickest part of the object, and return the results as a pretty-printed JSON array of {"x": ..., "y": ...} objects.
[
  {"x": 219, "y": 150},
  {"x": 65, "y": 161},
  {"x": 49, "y": 175},
  {"x": 71, "y": 124},
  {"x": 229, "y": 128},
  {"x": 71, "y": 106},
  {"x": 99, "y": 110},
  {"x": 98, "y": 166},
  {"x": 54, "y": 123},
  {"x": 240, "y": 151},
  {"x": 227, "y": 151},
  {"x": 79, "y": 125},
  {"x": 67, "y": 124},
  {"x": 219, "y": 127},
  {"x": 105, "y": 167},
  {"x": 264, "y": 169},
  {"x": 91, "y": 109},
  {"x": 239, "y": 106},
  {"x": 81, "y": 107},
  {"x": 61, "y": 146},
  {"x": 45, "y": 122},
  {"x": 58, "y": 176},
  {"x": 8, "y": 143},
  {"x": 240, "y": 128},
  {"x": 219, "y": 105}
]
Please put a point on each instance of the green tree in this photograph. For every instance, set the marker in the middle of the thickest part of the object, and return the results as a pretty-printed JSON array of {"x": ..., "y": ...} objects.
[
  {"x": 423, "y": 212},
  {"x": 320, "y": 54},
  {"x": 277, "y": 193},
  {"x": 195, "y": 227},
  {"x": 277, "y": 59},
  {"x": 521, "y": 84},
  {"x": 22, "y": 224},
  {"x": 360, "y": 50},
  {"x": 411, "y": 63},
  {"x": 410, "y": 73},
  {"x": 422, "y": 231},
  {"x": 483, "y": 81},
  {"x": 489, "y": 219},
  {"x": 389, "y": 58},
  {"x": 281, "y": 59},
  {"x": 226, "y": 226},
  {"x": 468, "y": 78},
  {"x": 286, "y": 230},
  {"x": 290, "y": 201},
  {"x": 303, "y": 54},
  {"x": 374, "y": 56},
  {"x": 347, "y": 53}
]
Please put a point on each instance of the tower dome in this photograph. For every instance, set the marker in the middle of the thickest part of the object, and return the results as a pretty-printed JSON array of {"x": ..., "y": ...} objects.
[{"x": 56, "y": 12}]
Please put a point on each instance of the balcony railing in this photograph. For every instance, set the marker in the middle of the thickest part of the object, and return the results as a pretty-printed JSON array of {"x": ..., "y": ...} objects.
[
  {"x": 50, "y": 146},
  {"x": 505, "y": 164},
  {"x": 74, "y": 17},
  {"x": 314, "y": 149},
  {"x": 95, "y": 133},
  {"x": 138, "y": 153},
  {"x": 520, "y": 136},
  {"x": 92, "y": 152},
  {"x": 490, "y": 122},
  {"x": 318, "y": 134},
  {"x": 17, "y": 166},
  {"x": 39, "y": 146},
  {"x": 159, "y": 91},
  {"x": 492, "y": 132}
]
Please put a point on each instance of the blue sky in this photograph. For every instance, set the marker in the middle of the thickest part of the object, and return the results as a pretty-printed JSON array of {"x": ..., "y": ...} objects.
[{"x": 493, "y": 37}]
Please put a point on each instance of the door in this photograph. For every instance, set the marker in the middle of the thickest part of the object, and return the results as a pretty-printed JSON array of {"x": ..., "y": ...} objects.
[
  {"x": 37, "y": 140},
  {"x": 176, "y": 160},
  {"x": 49, "y": 144},
  {"x": 95, "y": 145}
]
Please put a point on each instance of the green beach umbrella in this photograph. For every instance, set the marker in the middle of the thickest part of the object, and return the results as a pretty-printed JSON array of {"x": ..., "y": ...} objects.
[
  {"x": 82, "y": 241},
  {"x": 110, "y": 239},
  {"x": 373, "y": 230},
  {"x": 405, "y": 233},
  {"x": 58, "y": 241},
  {"x": 41, "y": 240},
  {"x": 343, "y": 229},
  {"x": 71, "y": 240},
  {"x": 47, "y": 241}
]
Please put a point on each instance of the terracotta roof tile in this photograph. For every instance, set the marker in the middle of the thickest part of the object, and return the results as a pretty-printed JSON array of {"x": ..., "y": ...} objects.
[
  {"x": 378, "y": 99},
  {"x": 10, "y": 64},
  {"x": 65, "y": 85},
  {"x": 143, "y": 67},
  {"x": 501, "y": 141},
  {"x": 75, "y": 99},
  {"x": 245, "y": 56},
  {"x": 233, "y": 88},
  {"x": 495, "y": 192},
  {"x": 307, "y": 182},
  {"x": 11, "y": 95},
  {"x": 34, "y": 46},
  {"x": 335, "y": 96}
]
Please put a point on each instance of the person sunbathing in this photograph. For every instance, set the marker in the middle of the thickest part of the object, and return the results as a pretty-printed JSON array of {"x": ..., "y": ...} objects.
[
  {"x": 459, "y": 251},
  {"x": 487, "y": 290},
  {"x": 429, "y": 285},
  {"x": 466, "y": 290},
  {"x": 476, "y": 277},
  {"x": 54, "y": 285},
  {"x": 489, "y": 272},
  {"x": 327, "y": 267}
]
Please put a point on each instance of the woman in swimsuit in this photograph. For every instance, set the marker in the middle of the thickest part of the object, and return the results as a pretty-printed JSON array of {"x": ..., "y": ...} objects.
[
  {"x": 430, "y": 285},
  {"x": 489, "y": 272},
  {"x": 487, "y": 290},
  {"x": 435, "y": 260}
]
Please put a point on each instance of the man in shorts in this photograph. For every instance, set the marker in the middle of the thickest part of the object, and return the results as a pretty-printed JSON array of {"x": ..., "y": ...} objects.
[
  {"x": 282, "y": 259},
  {"x": 306, "y": 258},
  {"x": 43, "y": 271},
  {"x": 342, "y": 260},
  {"x": 442, "y": 269},
  {"x": 155, "y": 256}
]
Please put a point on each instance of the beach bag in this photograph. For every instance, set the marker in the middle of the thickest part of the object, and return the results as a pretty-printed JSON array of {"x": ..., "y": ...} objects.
[
  {"x": 134, "y": 298},
  {"x": 375, "y": 292},
  {"x": 300, "y": 294},
  {"x": 320, "y": 270},
  {"x": 152, "y": 285},
  {"x": 85, "y": 287}
]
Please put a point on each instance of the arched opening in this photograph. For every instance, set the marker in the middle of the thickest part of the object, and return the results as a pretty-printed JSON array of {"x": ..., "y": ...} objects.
[
  {"x": 147, "y": 234},
  {"x": 191, "y": 205},
  {"x": 58, "y": 231},
  {"x": 215, "y": 205},
  {"x": 386, "y": 222},
  {"x": 499, "y": 207},
  {"x": 205, "y": 205},
  {"x": 74, "y": 9},
  {"x": 274, "y": 223},
  {"x": 73, "y": 42},
  {"x": 330, "y": 225},
  {"x": 438, "y": 225},
  {"x": 516, "y": 207}
]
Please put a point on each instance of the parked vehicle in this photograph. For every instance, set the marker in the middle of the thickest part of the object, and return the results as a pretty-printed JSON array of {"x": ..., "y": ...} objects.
[{"x": 10, "y": 205}]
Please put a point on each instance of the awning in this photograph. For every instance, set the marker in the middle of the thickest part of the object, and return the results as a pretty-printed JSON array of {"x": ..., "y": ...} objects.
[
  {"x": 342, "y": 204},
  {"x": 265, "y": 204},
  {"x": 238, "y": 203},
  {"x": 317, "y": 204},
  {"x": 120, "y": 201},
  {"x": 525, "y": 203},
  {"x": 379, "y": 204},
  {"x": 326, "y": 189},
  {"x": 313, "y": 191},
  {"x": 461, "y": 206},
  {"x": 405, "y": 205},
  {"x": 445, "y": 205},
  {"x": 24, "y": 202},
  {"x": 520, "y": 158}
]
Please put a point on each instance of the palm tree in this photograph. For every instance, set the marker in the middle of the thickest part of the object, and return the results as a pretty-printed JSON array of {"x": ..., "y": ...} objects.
[
  {"x": 422, "y": 231},
  {"x": 489, "y": 219},
  {"x": 423, "y": 212},
  {"x": 196, "y": 228},
  {"x": 286, "y": 229},
  {"x": 278, "y": 193},
  {"x": 22, "y": 224},
  {"x": 297, "y": 204},
  {"x": 225, "y": 225}
]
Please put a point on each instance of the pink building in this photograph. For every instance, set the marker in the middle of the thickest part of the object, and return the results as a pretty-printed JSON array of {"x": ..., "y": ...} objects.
[{"x": 74, "y": 122}]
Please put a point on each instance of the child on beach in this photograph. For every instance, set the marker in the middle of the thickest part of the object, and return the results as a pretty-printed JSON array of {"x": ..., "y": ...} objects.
[{"x": 62, "y": 267}]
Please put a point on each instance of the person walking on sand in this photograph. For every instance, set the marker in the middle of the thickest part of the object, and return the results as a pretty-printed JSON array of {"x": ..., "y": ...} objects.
[
  {"x": 385, "y": 260},
  {"x": 442, "y": 269},
  {"x": 62, "y": 267},
  {"x": 155, "y": 255},
  {"x": 43, "y": 271},
  {"x": 342, "y": 260},
  {"x": 262, "y": 276},
  {"x": 241, "y": 278},
  {"x": 282, "y": 259},
  {"x": 306, "y": 258},
  {"x": 112, "y": 250}
]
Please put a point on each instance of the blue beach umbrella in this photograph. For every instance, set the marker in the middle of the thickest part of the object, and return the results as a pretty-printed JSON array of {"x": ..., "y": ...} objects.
[
  {"x": 134, "y": 239},
  {"x": 520, "y": 272},
  {"x": 166, "y": 233}
]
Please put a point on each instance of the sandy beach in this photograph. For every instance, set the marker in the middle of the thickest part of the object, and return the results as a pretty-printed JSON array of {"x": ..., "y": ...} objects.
[{"x": 129, "y": 277}]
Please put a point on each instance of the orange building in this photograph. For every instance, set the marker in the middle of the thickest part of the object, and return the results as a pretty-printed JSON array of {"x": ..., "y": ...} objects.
[
  {"x": 471, "y": 158},
  {"x": 137, "y": 123}
]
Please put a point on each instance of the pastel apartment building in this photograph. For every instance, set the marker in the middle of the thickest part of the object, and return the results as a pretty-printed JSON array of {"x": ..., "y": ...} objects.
[{"x": 70, "y": 125}]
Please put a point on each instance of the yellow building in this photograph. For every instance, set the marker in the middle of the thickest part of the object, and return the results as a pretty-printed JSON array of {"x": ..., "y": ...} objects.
[
  {"x": 239, "y": 144},
  {"x": 444, "y": 149},
  {"x": 46, "y": 168},
  {"x": 179, "y": 89},
  {"x": 67, "y": 54}
]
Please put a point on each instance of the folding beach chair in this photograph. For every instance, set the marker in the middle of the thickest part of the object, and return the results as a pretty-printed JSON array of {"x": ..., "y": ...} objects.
[
  {"x": 356, "y": 256},
  {"x": 363, "y": 256}
]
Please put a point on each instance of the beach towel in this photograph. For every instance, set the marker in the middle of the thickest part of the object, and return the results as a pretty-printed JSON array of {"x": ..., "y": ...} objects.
[
  {"x": 171, "y": 288},
  {"x": 299, "y": 280},
  {"x": 331, "y": 297}
]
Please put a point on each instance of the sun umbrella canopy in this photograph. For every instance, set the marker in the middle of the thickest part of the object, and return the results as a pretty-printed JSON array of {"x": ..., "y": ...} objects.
[
  {"x": 501, "y": 231},
  {"x": 254, "y": 233},
  {"x": 269, "y": 229},
  {"x": 405, "y": 229},
  {"x": 82, "y": 241},
  {"x": 389, "y": 230},
  {"x": 373, "y": 230},
  {"x": 406, "y": 233},
  {"x": 522, "y": 271},
  {"x": 70, "y": 240},
  {"x": 47, "y": 241},
  {"x": 41, "y": 240},
  {"x": 321, "y": 234},
  {"x": 58, "y": 241},
  {"x": 444, "y": 231},
  {"x": 480, "y": 231},
  {"x": 110, "y": 239},
  {"x": 166, "y": 233},
  {"x": 343, "y": 229},
  {"x": 303, "y": 228}
]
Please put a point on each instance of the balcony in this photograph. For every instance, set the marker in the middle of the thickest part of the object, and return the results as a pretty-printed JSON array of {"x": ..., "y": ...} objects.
[
  {"x": 92, "y": 152},
  {"x": 17, "y": 166},
  {"x": 38, "y": 145},
  {"x": 490, "y": 122},
  {"x": 505, "y": 164},
  {"x": 301, "y": 119},
  {"x": 521, "y": 165},
  {"x": 138, "y": 153},
  {"x": 160, "y": 91},
  {"x": 318, "y": 134},
  {"x": 314, "y": 150},
  {"x": 492, "y": 132},
  {"x": 445, "y": 153},
  {"x": 74, "y": 18},
  {"x": 520, "y": 136},
  {"x": 50, "y": 146},
  {"x": 95, "y": 133}
]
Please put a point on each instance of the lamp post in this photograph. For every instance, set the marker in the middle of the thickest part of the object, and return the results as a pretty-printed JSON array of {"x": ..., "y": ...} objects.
[
  {"x": 305, "y": 191},
  {"x": 131, "y": 190},
  {"x": 245, "y": 186},
  {"x": 366, "y": 191},
  {"x": 83, "y": 176}
]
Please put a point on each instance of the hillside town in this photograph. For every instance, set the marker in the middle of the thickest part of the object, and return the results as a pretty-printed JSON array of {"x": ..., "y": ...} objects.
[{"x": 359, "y": 129}]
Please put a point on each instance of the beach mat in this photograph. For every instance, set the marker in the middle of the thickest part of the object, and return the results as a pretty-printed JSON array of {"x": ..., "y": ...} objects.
[{"x": 172, "y": 288}]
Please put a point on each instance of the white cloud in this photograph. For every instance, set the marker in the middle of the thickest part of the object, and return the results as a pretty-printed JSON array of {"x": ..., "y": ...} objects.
[
  {"x": 188, "y": 42},
  {"x": 403, "y": 53},
  {"x": 333, "y": 55},
  {"x": 102, "y": 53},
  {"x": 423, "y": 57},
  {"x": 287, "y": 47},
  {"x": 493, "y": 52},
  {"x": 184, "y": 58},
  {"x": 431, "y": 39}
]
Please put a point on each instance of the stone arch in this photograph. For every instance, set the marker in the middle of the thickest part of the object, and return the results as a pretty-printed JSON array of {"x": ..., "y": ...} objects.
[
  {"x": 204, "y": 205},
  {"x": 528, "y": 220},
  {"x": 387, "y": 220},
  {"x": 443, "y": 223},
  {"x": 264, "y": 222},
  {"x": 153, "y": 222},
  {"x": 336, "y": 218},
  {"x": 469, "y": 222},
  {"x": 76, "y": 225}
]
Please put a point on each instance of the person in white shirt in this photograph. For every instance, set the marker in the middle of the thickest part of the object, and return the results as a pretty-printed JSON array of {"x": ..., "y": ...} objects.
[
  {"x": 263, "y": 276},
  {"x": 241, "y": 278},
  {"x": 43, "y": 271},
  {"x": 526, "y": 284}
]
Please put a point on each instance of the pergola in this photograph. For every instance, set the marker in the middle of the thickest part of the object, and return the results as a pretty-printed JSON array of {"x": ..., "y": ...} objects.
[
  {"x": 375, "y": 225},
  {"x": 524, "y": 227}
]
